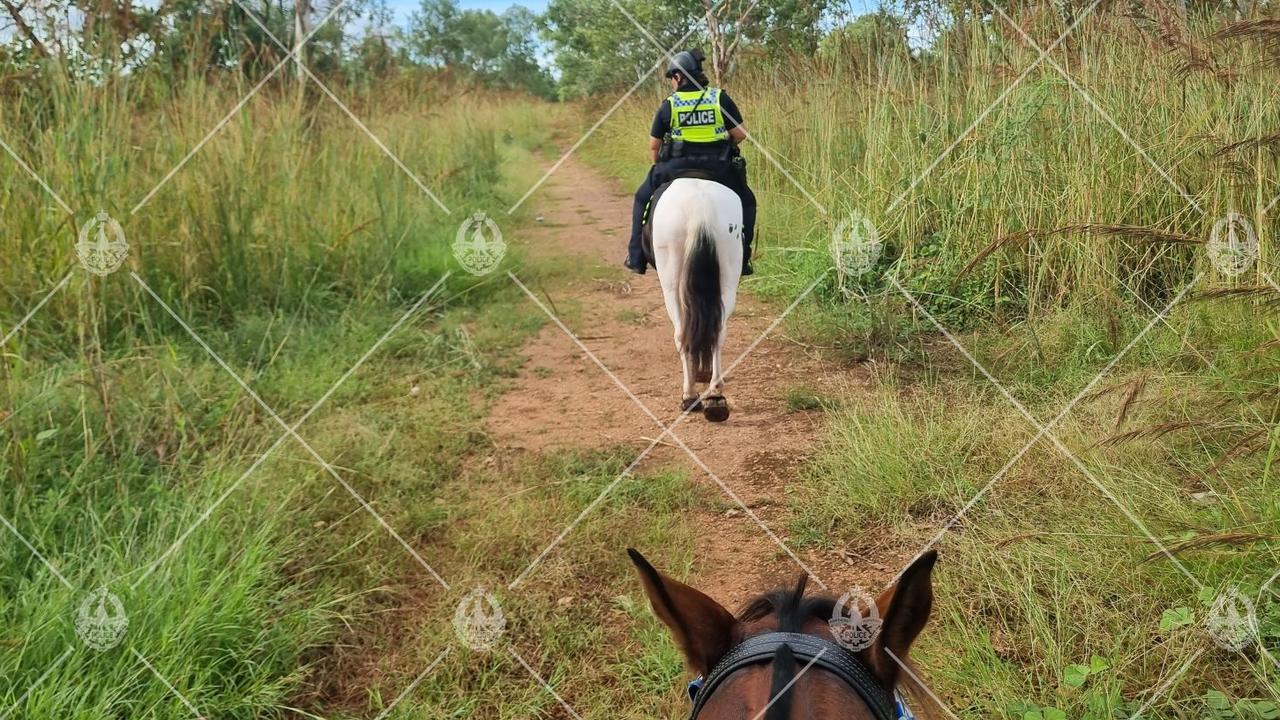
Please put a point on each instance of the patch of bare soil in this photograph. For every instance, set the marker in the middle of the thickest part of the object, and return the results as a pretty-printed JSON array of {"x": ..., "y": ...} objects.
[{"x": 563, "y": 400}]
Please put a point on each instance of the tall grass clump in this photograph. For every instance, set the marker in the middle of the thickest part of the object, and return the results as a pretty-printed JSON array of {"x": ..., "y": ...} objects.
[
  {"x": 290, "y": 242},
  {"x": 288, "y": 205},
  {"x": 1043, "y": 203}
]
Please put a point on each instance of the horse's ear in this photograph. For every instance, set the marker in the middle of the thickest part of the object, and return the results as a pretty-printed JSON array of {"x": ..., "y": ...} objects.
[
  {"x": 703, "y": 629},
  {"x": 904, "y": 609}
]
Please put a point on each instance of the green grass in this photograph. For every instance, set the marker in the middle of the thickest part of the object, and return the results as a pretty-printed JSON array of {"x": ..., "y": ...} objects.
[
  {"x": 803, "y": 399},
  {"x": 1044, "y": 572},
  {"x": 290, "y": 243},
  {"x": 1044, "y": 158},
  {"x": 120, "y": 430},
  {"x": 579, "y": 619}
]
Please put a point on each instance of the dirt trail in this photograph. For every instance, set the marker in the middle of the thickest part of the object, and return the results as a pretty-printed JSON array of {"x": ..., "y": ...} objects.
[{"x": 623, "y": 322}]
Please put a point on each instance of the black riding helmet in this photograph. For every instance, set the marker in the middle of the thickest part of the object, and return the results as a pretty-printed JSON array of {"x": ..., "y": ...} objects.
[{"x": 687, "y": 62}]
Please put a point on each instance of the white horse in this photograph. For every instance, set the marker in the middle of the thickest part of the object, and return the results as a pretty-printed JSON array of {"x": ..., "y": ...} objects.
[{"x": 697, "y": 248}]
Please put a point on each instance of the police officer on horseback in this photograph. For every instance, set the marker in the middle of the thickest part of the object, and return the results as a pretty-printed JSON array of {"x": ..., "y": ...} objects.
[{"x": 698, "y": 128}]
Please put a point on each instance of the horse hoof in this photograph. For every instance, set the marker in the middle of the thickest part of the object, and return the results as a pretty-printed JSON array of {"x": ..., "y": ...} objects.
[
  {"x": 688, "y": 404},
  {"x": 715, "y": 408}
]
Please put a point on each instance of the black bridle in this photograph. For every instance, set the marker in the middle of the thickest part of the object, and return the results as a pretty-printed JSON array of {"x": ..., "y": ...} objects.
[{"x": 807, "y": 649}]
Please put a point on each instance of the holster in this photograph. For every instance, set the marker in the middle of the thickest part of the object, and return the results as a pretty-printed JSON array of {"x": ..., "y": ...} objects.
[{"x": 664, "y": 150}]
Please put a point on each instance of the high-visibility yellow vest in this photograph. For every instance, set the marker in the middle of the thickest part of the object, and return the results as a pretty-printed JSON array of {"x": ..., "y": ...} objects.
[{"x": 696, "y": 116}]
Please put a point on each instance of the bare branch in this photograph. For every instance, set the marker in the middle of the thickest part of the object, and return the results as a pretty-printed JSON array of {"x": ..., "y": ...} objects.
[{"x": 24, "y": 29}]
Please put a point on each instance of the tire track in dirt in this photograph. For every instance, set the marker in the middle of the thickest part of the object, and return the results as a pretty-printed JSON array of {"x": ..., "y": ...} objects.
[{"x": 562, "y": 400}]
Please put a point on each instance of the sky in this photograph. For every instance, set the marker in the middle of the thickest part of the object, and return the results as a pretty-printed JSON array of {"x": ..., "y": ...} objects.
[{"x": 402, "y": 8}]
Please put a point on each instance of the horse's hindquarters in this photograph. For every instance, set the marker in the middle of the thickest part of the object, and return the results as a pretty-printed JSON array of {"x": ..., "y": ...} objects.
[{"x": 697, "y": 245}]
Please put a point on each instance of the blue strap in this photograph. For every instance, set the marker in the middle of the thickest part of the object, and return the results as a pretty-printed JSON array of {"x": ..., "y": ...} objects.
[{"x": 900, "y": 705}]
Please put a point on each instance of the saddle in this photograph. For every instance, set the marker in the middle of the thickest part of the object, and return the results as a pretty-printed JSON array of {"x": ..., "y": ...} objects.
[{"x": 646, "y": 232}]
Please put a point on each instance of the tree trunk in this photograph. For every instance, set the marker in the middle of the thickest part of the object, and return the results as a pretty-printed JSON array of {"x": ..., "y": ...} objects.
[
  {"x": 726, "y": 34},
  {"x": 301, "y": 18}
]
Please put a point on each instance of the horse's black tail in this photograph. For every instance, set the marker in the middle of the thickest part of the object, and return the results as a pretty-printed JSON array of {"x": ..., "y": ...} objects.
[{"x": 702, "y": 309}]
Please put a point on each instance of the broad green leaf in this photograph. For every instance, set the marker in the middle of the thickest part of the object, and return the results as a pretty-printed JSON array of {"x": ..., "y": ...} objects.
[
  {"x": 1175, "y": 618},
  {"x": 1075, "y": 675}
]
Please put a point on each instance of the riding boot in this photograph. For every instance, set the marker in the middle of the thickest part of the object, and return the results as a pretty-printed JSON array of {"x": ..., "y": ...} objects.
[
  {"x": 636, "y": 261},
  {"x": 748, "y": 227}
]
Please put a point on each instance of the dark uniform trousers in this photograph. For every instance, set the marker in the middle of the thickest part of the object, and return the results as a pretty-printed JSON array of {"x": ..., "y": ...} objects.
[{"x": 667, "y": 170}]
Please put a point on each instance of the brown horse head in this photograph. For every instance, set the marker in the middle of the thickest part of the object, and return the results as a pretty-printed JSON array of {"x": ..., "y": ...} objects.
[{"x": 773, "y": 681}]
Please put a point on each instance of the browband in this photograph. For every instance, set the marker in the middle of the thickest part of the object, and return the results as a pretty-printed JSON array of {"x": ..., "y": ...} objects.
[{"x": 807, "y": 649}]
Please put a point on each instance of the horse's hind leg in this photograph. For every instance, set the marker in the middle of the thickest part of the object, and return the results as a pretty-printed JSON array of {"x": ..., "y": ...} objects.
[
  {"x": 715, "y": 407},
  {"x": 703, "y": 374},
  {"x": 689, "y": 395},
  {"x": 715, "y": 385}
]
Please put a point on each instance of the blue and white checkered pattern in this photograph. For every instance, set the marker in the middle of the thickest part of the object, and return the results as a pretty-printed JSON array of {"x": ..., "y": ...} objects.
[{"x": 712, "y": 97}]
